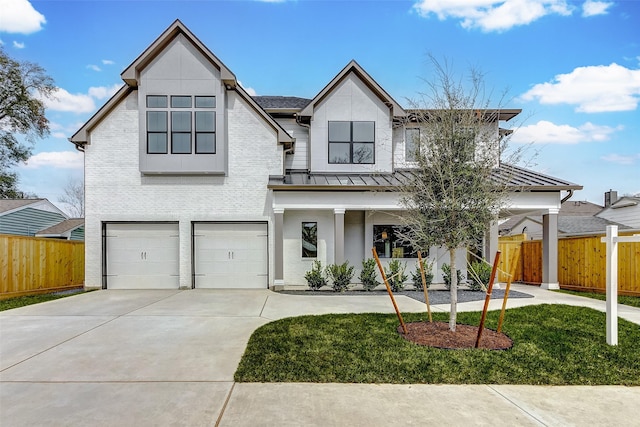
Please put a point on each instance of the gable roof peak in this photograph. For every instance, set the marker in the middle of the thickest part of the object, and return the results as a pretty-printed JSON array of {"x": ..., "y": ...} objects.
[
  {"x": 354, "y": 67},
  {"x": 131, "y": 73}
]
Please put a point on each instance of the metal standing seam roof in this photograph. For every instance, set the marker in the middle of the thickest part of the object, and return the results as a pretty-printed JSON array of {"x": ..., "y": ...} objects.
[{"x": 514, "y": 176}]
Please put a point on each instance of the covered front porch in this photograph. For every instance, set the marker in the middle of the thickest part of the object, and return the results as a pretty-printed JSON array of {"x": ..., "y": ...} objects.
[{"x": 349, "y": 214}]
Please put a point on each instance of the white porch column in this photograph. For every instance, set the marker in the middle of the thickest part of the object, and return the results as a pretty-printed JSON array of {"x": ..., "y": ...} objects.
[
  {"x": 278, "y": 240},
  {"x": 550, "y": 250},
  {"x": 338, "y": 228}
]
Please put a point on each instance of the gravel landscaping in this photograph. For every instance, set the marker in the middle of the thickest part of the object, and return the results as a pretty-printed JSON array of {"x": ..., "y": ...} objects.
[{"x": 435, "y": 296}]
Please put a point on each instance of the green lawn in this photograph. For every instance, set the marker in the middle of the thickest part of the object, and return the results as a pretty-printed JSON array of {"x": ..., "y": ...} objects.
[
  {"x": 17, "y": 302},
  {"x": 553, "y": 344},
  {"x": 622, "y": 299}
]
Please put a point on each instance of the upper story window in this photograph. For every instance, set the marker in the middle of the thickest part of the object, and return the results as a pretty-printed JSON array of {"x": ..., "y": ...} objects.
[
  {"x": 352, "y": 142},
  {"x": 187, "y": 124},
  {"x": 411, "y": 144}
]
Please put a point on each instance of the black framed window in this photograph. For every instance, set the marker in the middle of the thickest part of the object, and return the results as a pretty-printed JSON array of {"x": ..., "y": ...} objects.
[
  {"x": 389, "y": 244},
  {"x": 181, "y": 132},
  {"x": 186, "y": 122},
  {"x": 157, "y": 132},
  {"x": 351, "y": 142},
  {"x": 411, "y": 144},
  {"x": 205, "y": 132},
  {"x": 309, "y": 240}
]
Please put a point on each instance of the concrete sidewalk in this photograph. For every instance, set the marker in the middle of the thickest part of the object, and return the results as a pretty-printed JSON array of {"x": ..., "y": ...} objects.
[{"x": 168, "y": 358}]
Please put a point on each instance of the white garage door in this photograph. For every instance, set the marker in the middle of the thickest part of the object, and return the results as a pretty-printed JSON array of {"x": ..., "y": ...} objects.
[
  {"x": 230, "y": 255},
  {"x": 142, "y": 256}
]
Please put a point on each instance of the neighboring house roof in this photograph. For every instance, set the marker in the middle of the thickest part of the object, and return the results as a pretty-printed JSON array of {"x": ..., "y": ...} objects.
[
  {"x": 281, "y": 102},
  {"x": 61, "y": 228},
  {"x": 623, "y": 202},
  {"x": 568, "y": 208},
  {"x": 131, "y": 73},
  {"x": 514, "y": 176},
  {"x": 8, "y": 206},
  {"x": 575, "y": 225},
  {"x": 24, "y": 217},
  {"x": 354, "y": 67}
]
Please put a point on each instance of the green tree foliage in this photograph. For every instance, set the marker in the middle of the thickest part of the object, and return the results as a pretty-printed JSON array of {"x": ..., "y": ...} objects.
[
  {"x": 22, "y": 88},
  {"x": 452, "y": 198}
]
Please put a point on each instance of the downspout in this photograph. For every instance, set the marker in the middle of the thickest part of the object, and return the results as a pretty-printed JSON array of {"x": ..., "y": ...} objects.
[
  {"x": 308, "y": 140},
  {"x": 567, "y": 197}
]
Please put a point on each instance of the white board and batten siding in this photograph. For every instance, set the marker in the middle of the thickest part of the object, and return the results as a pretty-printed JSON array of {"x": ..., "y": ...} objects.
[
  {"x": 142, "y": 256},
  {"x": 231, "y": 255}
]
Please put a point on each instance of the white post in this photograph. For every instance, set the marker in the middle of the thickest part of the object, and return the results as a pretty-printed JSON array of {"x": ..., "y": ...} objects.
[{"x": 612, "y": 284}]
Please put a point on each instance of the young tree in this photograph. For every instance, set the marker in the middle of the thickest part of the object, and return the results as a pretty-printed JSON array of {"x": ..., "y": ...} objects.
[
  {"x": 74, "y": 198},
  {"x": 451, "y": 198},
  {"x": 22, "y": 86}
]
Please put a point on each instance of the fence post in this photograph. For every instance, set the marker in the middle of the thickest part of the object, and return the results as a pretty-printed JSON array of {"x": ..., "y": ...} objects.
[{"x": 612, "y": 284}]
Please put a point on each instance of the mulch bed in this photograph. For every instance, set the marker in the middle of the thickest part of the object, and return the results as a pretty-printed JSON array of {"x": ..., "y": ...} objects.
[{"x": 437, "y": 334}]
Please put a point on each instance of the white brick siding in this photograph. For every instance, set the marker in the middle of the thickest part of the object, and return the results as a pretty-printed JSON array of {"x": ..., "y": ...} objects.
[{"x": 116, "y": 190}]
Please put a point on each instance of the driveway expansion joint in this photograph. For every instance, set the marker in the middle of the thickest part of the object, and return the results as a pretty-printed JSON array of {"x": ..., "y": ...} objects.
[{"x": 536, "y": 419}]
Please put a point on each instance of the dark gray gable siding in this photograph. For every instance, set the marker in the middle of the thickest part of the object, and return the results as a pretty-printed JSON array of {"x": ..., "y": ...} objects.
[{"x": 28, "y": 221}]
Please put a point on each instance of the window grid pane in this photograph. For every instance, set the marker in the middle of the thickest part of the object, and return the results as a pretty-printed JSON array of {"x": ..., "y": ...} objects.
[
  {"x": 156, "y": 121},
  {"x": 205, "y": 143},
  {"x": 363, "y": 131},
  {"x": 156, "y": 143},
  {"x": 339, "y": 131},
  {"x": 205, "y": 102},
  {"x": 339, "y": 152},
  {"x": 363, "y": 152},
  {"x": 309, "y": 240},
  {"x": 205, "y": 121},
  {"x": 180, "y": 102},
  {"x": 180, "y": 143},
  {"x": 181, "y": 121},
  {"x": 156, "y": 101}
]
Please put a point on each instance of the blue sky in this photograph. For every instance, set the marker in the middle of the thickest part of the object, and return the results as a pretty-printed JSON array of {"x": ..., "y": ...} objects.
[{"x": 573, "y": 67}]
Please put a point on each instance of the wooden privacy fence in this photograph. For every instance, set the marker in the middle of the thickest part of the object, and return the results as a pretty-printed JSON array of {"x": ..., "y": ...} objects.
[
  {"x": 30, "y": 265},
  {"x": 581, "y": 263}
]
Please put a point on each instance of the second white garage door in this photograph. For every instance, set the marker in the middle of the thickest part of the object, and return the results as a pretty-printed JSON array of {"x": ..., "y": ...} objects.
[{"x": 230, "y": 255}]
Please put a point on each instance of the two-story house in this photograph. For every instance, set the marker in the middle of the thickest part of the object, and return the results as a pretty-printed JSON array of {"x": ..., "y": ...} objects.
[{"x": 192, "y": 183}]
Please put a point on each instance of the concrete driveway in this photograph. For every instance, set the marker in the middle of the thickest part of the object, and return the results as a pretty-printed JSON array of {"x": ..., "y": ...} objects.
[{"x": 122, "y": 358}]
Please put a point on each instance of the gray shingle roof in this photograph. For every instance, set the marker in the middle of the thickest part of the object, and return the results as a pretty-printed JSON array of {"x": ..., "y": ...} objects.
[
  {"x": 513, "y": 176},
  {"x": 281, "y": 102},
  {"x": 568, "y": 208},
  {"x": 63, "y": 227},
  {"x": 10, "y": 204}
]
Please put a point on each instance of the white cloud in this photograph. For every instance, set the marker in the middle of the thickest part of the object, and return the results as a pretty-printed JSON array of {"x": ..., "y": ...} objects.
[
  {"x": 65, "y": 101},
  {"x": 56, "y": 159},
  {"x": 104, "y": 92},
  {"x": 620, "y": 159},
  {"x": 251, "y": 91},
  {"x": 593, "y": 89},
  {"x": 107, "y": 62},
  {"x": 593, "y": 8},
  {"x": 18, "y": 45},
  {"x": 79, "y": 103},
  {"x": 94, "y": 67},
  {"x": 551, "y": 133},
  {"x": 19, "y": 16},
  {"x": 492, "y": 15}
]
